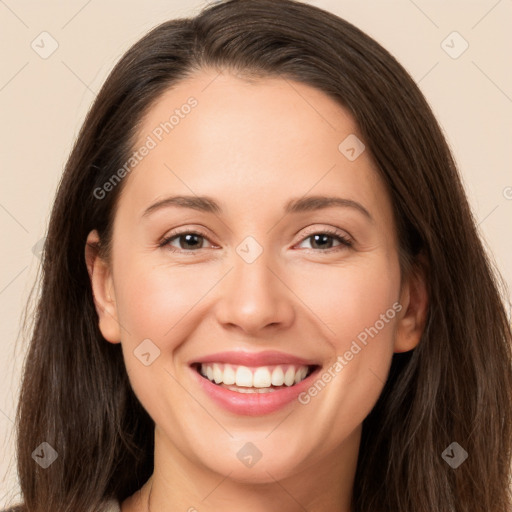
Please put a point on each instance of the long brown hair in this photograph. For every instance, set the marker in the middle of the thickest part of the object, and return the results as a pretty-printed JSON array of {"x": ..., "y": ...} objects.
[{"x": 456, "y": 386}]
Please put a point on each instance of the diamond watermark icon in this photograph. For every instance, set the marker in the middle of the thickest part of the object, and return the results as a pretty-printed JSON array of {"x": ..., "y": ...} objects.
[
  {"x": 45, "y": 455},
  {"x": 249, "y": 249},
  {"x": 351, "y": 147},
  {"x": 44, "y": 45},
  {"x": 146, "y": 352},
  {"x": 37, "y": 249},
  {"x": 454, "y": 45},
  {"x": 454, "y": 455},
  {"x": 249, "y": 454}
]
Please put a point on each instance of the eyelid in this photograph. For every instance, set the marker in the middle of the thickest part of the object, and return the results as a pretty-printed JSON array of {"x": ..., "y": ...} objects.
[{"x": 312, "y": 230}]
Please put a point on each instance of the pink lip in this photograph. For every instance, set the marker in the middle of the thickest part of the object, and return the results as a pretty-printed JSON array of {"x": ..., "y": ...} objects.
[
  {"x": 253, "y": 404},
  {"x": 265, "y": 358}
]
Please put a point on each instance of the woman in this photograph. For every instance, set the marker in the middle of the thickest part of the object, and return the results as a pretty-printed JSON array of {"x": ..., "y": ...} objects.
[{"x": 263, "y": 288}]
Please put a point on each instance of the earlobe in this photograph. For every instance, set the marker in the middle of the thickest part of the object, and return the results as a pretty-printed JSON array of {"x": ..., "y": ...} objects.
[
  {"x": 102, "y": 286},
  {"x": 414, "y": 299}
]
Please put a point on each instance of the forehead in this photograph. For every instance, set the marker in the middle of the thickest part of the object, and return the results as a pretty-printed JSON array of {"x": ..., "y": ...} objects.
[
  {"x": 220, "y": 135},
  {"x": 239, "y": 114}
]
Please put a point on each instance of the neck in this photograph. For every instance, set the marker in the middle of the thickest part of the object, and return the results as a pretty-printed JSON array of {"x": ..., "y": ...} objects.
[{"x": 324, "y": 485}]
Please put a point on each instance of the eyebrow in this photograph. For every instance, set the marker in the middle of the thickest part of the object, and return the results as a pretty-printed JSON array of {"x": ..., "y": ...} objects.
[{"x": 302, "y": 204}]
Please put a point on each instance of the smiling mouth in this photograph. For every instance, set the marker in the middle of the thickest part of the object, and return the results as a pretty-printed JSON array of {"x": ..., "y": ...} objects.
[{"x": 260, "y": 379}]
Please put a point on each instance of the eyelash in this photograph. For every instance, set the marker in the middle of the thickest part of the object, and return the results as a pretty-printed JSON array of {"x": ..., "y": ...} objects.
[{"x": 338, "y": 235}]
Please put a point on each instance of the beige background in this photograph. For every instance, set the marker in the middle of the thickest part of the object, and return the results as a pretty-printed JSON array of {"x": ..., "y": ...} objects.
[{"x": 43, "y": 103}]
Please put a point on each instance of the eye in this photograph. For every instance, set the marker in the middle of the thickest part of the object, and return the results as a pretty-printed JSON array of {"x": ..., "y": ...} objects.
[
  {"x": 191, "y": 241},
  {"x": 188, "y": 241},
  {"x": 323, "y": 240}
]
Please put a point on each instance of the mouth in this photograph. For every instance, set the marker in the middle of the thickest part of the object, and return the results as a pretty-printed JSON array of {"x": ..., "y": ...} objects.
[
  {"x": 253, "y": 383},
  {"x": 254, "y": 379}
]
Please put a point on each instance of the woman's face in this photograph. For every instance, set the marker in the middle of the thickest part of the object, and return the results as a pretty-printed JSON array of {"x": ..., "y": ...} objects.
[{"x": 254, "y": 262}]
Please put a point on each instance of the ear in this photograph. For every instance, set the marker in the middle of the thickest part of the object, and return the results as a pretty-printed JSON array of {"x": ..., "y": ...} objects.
[
  {"x": 103, "y": 289},
  {"x": 414, "y": 301}
]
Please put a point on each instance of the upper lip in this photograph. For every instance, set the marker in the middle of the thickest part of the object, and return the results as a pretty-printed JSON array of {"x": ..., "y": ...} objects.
[{"x": 265, "y": 358}]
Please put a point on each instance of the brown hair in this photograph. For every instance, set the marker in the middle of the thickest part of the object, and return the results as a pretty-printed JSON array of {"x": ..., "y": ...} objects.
[{"x": 455, "y": 386}]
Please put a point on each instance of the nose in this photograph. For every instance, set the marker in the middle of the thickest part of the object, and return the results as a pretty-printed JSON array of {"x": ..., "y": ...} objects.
[{"x": 254, "y": 298}]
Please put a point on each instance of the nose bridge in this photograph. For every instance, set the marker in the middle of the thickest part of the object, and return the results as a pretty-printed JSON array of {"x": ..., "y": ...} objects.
[{"x": 252, "y": 297}]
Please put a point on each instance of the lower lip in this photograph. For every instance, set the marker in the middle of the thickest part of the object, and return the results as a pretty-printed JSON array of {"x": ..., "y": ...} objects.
[{"x": 253, "y": 404}]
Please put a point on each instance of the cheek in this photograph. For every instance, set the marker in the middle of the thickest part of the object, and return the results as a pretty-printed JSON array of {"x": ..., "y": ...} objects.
[
  {"x": 349, "y": 300},
  {"x": 152, "y": 301},
  {"x": 358, "y": 308},
  {"x": 157, "y": 303},
  {"x": 367, "y": 314},
  {"x": 360, "y": 304}
]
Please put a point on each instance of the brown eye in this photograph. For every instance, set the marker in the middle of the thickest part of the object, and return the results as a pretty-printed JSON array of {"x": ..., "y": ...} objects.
[
  {"x": 188, "y": 241},
  {"x": 324, "y": 241}
]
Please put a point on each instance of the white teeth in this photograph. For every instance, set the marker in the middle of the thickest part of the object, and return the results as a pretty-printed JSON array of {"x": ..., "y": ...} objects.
[
  {"x": 250, "y": 390},
  {"x": 229, "y": 375},
  {"x": 300, "y": 375},
  {"x": 289, "y": 376},
  {"x": 243, "y": 377},
  {"x": 261, "y": 378},
  {"x": 217, "y": 373},
  {"x": 277, "y": 376}
]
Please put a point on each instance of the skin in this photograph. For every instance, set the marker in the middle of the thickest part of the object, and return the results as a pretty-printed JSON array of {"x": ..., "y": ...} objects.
[{"x": 253, "y": 146}]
